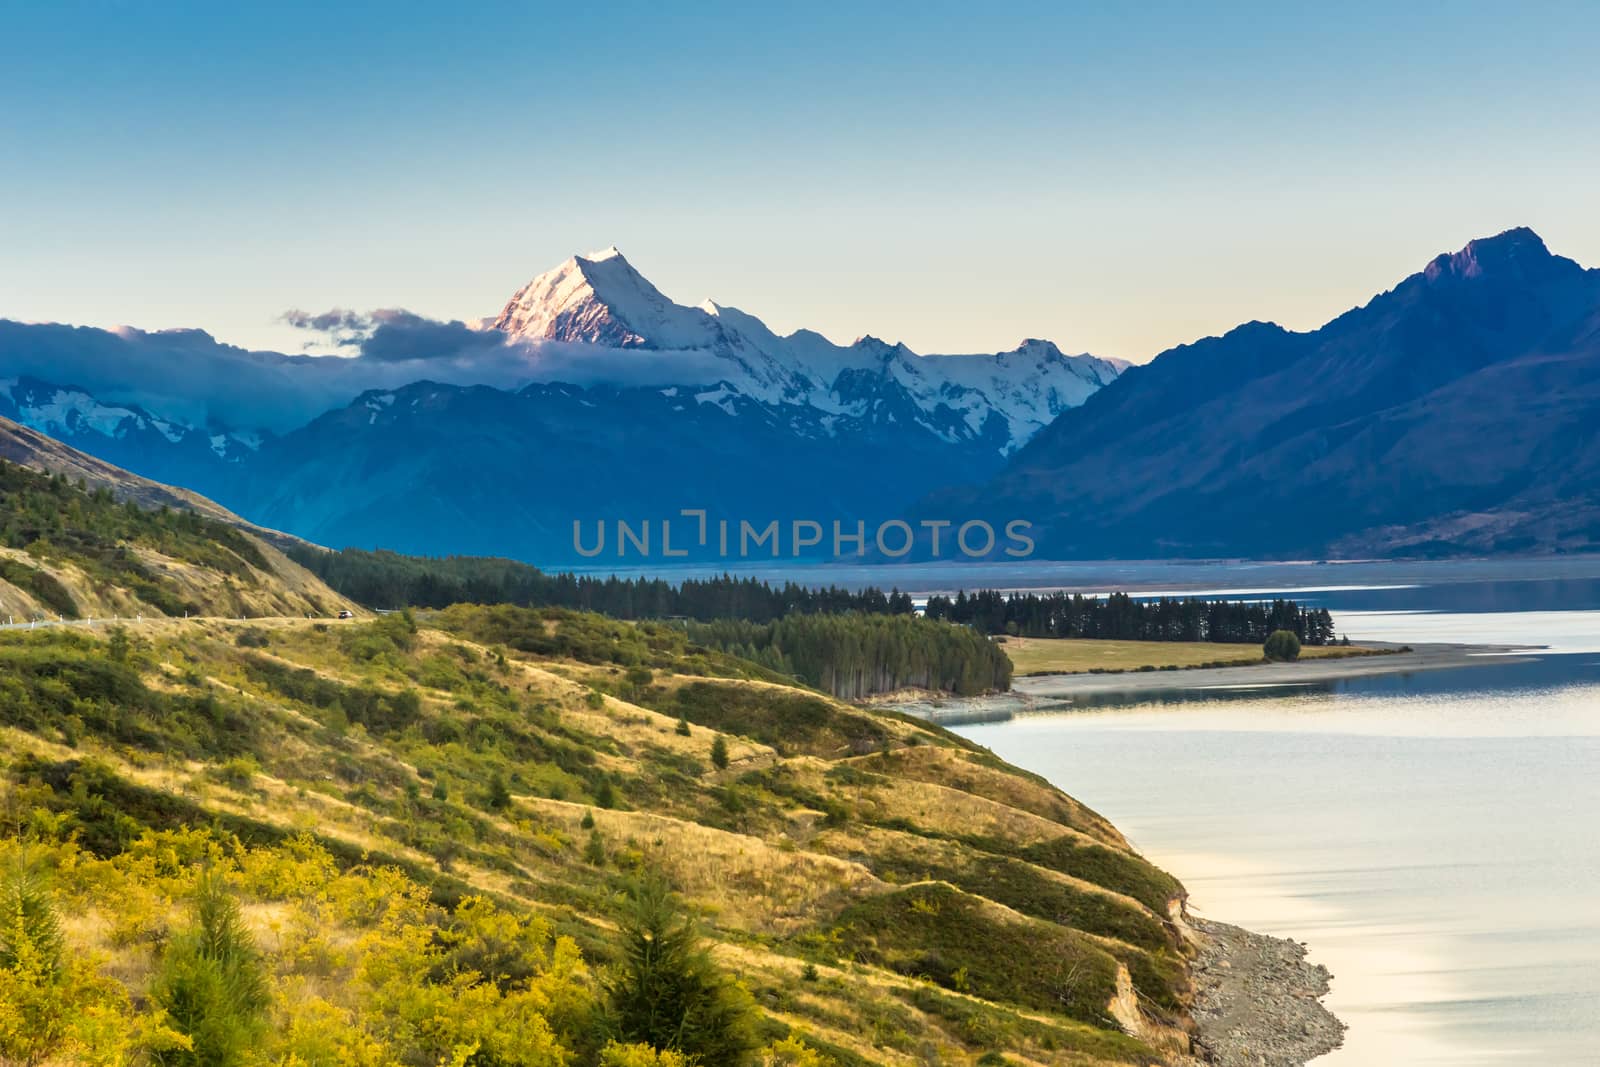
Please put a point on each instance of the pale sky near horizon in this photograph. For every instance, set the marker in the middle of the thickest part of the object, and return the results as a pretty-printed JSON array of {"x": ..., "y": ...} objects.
[{"x": 1115, "y": 179}]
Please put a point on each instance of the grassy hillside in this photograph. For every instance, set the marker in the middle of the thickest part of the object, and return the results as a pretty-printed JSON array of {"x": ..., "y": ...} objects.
[
  {"x": 31, "y": 449},
  {"x": 413, "y": 814},
  {"x": 67, "y": 551}
]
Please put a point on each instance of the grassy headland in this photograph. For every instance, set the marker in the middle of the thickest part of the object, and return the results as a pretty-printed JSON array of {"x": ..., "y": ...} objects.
[{"x": 1075, "y": 655}]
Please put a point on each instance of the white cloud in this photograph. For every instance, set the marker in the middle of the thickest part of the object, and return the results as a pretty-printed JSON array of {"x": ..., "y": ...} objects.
[{"x": 187, "y": 374}]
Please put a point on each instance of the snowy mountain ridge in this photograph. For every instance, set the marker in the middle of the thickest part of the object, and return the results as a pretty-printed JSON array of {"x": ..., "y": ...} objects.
[
  {"x": 601, "y": 299},
  {"x": 68, "y": 413}
]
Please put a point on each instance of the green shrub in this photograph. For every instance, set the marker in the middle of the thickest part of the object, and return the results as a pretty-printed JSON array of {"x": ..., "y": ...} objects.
[
  {"x": 1282, "y": 646},
  {"x": 497, "y": 796},
  {"x": 252, "y": 638}
]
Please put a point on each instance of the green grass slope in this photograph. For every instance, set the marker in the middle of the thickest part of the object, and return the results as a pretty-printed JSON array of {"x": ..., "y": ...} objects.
[{"x": 429, "y": 824}]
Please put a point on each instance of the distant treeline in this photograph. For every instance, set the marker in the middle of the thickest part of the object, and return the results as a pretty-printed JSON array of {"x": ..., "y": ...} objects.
[
  {"x": 855, "y": 655},
  {"x": 385, "y": 579},
  {"x": 1122, "y": 618},
  {"x": 390, "y": 580}
]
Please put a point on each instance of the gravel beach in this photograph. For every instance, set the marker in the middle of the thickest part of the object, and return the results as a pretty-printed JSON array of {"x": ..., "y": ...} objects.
[{"x": 1257, "y": 1000}]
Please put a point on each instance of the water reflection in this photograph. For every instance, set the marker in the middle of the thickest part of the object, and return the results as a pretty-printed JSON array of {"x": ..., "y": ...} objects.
[{"x": 1545, "y": 671}]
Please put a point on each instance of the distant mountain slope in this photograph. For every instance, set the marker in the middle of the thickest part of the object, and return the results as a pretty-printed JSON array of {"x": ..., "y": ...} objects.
[
  {"x": 1457, "y": 413},
  {"x": 126, "y": 545},
  {"x": 437, "y": 469}
]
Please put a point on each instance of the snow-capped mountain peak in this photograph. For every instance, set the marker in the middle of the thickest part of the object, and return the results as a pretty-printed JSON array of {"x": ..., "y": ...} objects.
[{"x": 601, "y": 299}]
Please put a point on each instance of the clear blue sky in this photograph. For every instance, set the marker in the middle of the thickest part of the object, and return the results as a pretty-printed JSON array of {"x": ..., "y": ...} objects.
[{"x": 1118, "y": 178}]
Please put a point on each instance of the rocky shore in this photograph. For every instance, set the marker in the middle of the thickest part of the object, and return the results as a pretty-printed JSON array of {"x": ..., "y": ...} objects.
[{"x": 1257, "y": 1000}]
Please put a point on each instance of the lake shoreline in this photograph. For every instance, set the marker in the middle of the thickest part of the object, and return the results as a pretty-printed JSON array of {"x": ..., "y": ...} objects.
[
  {"x": 1067, "y": 692},
  {"x": 1258, "y": 1000}
]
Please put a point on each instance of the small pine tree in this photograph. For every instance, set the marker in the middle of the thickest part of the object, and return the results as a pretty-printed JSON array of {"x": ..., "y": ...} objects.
[
  {"x": 212, "y": 983},
  {"x": 594, "y": 853},
  {"x": 588, "y": 820},
  {"x": 30, "y": 930},
  {"x": 683, "y": 727},
  {"x": 719, "y": 754},
  {"x": 668, "y": 993},
  {"x": 499, "y": 794},
  {"x": 605, "y": 794}
]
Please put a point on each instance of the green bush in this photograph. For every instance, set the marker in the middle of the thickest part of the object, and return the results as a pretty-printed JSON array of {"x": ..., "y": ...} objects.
[
  {"x": 1282, "y": 646},
  {"x": 497, "y": 797}
]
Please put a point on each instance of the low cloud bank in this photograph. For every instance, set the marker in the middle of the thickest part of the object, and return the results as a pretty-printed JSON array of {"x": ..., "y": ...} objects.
[{"x": 189, "y": 375}]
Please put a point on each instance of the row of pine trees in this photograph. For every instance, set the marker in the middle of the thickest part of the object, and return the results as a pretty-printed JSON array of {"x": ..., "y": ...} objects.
[
  {"x": 390, "y": 580},
  {"x": 856, "y": 655},
  {"x": 1120, "y": 617}
]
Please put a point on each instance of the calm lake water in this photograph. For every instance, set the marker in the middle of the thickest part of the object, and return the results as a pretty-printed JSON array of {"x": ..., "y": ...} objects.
[{"x": 1431, "y": 836}]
